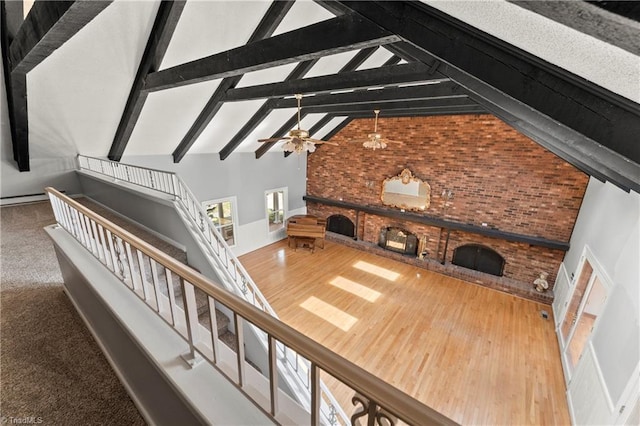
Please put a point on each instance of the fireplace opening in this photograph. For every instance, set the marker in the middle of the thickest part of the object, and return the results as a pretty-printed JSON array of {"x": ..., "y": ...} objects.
[
  {"x": 479, "y": 258},
  {"x": 398, "y": 240},
  {"x": 341, "y": 225}
]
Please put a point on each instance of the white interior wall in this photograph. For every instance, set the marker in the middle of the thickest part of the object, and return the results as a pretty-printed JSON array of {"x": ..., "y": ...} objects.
[
  {"x": 57, "y": 171},
  {"x": 243, "y": 176},
  {"x": 609, "y": 225}
]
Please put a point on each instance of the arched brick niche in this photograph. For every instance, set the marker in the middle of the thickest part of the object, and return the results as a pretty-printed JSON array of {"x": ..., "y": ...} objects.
[
  {"x": 341, "y": 224},
  {"x": 479, "y": 258}
]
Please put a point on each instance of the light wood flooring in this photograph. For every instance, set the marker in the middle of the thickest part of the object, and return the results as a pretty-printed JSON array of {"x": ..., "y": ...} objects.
[{"x": 474, "y": 354}]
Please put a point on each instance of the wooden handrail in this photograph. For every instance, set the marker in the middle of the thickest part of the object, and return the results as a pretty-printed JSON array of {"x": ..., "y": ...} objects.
[{"x": 361, "y": 381}]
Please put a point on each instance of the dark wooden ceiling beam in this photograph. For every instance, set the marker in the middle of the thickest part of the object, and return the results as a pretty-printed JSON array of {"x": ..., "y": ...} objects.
[
  {"x": 14, "y": 12},
  {"x": 393, "y": 60},
  {"x": 385, "y": 107},
  {"x": 47, "y": 27},
  {"x": 391, "y": 75},
  {"x": 10, "y": 22},
  {"x": 164, "y": 25},
  {"x": 586, "y": 125},
  {"x": 342, "y": 34},
  {"x": 265, "y": 28},
  {"x": 444, "y": 90},
  {"x": 300, "y": 70},
  {"x": 357, "y": 60},
  {"x": 419, "y": 112}
]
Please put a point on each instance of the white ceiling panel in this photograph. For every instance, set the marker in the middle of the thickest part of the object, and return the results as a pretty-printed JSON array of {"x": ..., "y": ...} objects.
[
  {"x": 167, "y": 116},
  {"x": 208, "y": 27},
  {"x": 77, "y": 95},
  {"x": 376, "y": 60},
  {"x": 329, "y": 126},
  {"x": 573, "y": 50},
  {"x": 273, "y": 122},
  {"x": 301, "y": 14},
  {"x": 269, "y": 75},
  {"x": 331, "y": 64},
  {"x": 231, "y": 117}
]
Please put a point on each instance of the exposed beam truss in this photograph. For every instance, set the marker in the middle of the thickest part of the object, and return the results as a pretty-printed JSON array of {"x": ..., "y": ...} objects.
[
  {"x": 266, "y": 27},
  {"x": 588, "y": 126},
  {"x": 390, "y": 75},
  {"x": 416, "y": 111},
  {"x": 445, "y": 90},
  {"x": 451, "y": 104},
  {"x": 47, "y": 27},
  {"x": 357, "y": 60},
  {"x": 165, "y": 24},
  {"x": 342, "y": 34}
]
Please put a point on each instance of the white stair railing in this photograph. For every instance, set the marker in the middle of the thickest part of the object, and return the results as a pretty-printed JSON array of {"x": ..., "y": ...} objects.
[
  {"x": 153, "y": 277},
  {"x": 295, "y": 369}
]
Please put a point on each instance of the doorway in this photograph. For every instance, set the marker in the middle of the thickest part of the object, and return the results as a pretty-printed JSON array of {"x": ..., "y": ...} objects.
[{"x": 586, "y": 304}]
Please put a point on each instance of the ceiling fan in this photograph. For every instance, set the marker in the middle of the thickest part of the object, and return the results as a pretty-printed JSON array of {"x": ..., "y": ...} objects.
[
  {"x": 298, "y": 140},
  {"x": 375, "y": 140}
]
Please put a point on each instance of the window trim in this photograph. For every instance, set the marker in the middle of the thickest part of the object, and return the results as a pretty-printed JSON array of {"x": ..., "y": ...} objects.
[
  {"x": 285, "y": 207},
  {"x": 234, "y": 214}
]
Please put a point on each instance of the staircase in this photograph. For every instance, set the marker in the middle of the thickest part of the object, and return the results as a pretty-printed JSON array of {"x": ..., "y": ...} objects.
[{"x": 230, "y": 274}]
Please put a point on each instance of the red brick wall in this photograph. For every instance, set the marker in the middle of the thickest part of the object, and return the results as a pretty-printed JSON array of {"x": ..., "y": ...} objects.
[{"x": 497, "y": 175}]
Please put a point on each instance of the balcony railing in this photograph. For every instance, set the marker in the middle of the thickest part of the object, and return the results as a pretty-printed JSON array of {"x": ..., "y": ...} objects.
[
  {"x": 294, "y": 369},
  {"x": 169, "y": 288}
]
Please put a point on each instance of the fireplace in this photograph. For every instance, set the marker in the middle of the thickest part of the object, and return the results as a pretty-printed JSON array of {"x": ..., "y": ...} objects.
[
  {"x": 341, "y": 225},
  {"x": 398, "y": 240},
  {"x": 479, "y": 258}
]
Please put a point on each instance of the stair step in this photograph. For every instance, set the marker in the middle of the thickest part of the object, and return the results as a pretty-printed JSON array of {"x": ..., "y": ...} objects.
[
  {"x": 221, "y": 321},
  {"x": 229, "y": 339}
]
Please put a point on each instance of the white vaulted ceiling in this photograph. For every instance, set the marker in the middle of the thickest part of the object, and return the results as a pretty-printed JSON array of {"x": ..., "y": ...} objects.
[
  {"x": 94, "y": 71},
  {"x": 77, "y": 95}
]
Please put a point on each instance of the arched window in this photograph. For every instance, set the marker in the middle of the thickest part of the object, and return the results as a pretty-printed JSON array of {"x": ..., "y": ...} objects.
[{"x": 479, "y": 258}]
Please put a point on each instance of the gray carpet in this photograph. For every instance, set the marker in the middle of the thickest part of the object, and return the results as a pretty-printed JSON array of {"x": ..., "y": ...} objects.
[{"x": 50, "y": 366}]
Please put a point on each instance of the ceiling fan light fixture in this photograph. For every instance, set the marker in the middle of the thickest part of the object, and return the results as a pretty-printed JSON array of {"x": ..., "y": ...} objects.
[
  {"x": 374, "y": 144},
  {"x": 298, "y": 146},
  {"x": 375, "y": 140},
  {"x": 298, "y": 140}
]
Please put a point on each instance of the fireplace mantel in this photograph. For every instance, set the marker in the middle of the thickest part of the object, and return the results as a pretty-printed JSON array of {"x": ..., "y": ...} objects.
[{"x": 442, "y": 223}]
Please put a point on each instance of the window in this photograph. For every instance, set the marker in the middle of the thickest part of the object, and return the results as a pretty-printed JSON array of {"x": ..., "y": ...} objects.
[
  {"x": 222, "y": 214},
  {"x": 276, "y": 209}
]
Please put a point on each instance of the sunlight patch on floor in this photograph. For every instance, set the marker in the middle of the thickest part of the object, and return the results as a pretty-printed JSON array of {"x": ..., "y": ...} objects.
[
  {"x": 355, "y": 288},
  {"x": 376, "y": 270},
  {"x": 329, "y": 313}
]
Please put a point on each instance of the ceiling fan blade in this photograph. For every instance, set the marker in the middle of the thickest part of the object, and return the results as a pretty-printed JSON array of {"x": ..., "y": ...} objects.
[
  {"x": 273, "y": 139},
  {"x": 319, "y": 141}
]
